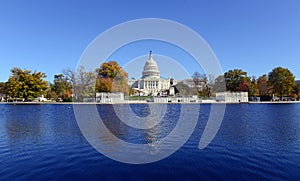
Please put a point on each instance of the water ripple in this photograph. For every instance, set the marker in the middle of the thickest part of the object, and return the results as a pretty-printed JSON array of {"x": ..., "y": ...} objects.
[{"x": 255, "y": 142}]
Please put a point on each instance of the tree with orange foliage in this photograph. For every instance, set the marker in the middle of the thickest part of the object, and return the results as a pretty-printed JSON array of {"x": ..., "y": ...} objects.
[{"x": 112, "y": 78}]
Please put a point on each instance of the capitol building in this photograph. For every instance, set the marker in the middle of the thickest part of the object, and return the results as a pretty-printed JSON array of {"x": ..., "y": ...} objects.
[{"x": 151, "y": 83}]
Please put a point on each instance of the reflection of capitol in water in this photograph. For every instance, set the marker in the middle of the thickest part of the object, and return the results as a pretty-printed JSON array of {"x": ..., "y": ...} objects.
[{"x": 151, "y": 83}]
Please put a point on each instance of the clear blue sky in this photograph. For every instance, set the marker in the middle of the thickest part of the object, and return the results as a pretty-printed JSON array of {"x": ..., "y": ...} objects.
[{"x": 50, "y": 36}]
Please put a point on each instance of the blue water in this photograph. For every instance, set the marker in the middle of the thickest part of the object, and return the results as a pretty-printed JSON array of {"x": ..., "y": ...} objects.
[{"x": 255, "y": 142}]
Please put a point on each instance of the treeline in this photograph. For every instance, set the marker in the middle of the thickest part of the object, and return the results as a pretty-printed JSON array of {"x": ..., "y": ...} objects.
[
  {"x": 70, "y": 85},
  {"x": 74, "y": 85},
  {"x": 280, "y": 82}
]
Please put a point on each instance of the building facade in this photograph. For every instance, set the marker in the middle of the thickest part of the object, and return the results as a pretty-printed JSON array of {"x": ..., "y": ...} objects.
[
  {"x": 151, "y": 83},
  {"x": 110, "y": 97},
  {"x": 232, "y": 97}
]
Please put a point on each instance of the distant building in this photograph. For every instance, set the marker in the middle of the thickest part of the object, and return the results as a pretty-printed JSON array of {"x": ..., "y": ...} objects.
[
  {"x": 89, "y": 99},
  {"x": 110, "y": 97},
  {"x": 298, "y": 82},
  {"x": 151, "y": 83},
  {"x": 40, "y": 99},
  {"x": 254, "y": 99},
  {"x": 232, "y": 97},
  {"x": 185, "y": 99}
]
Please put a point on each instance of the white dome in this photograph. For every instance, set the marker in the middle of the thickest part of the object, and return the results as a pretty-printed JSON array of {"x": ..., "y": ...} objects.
[{"x": 150, "y": 68}]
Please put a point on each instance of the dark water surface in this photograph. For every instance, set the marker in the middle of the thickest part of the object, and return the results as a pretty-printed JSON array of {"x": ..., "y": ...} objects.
[{"x": 255, "y": 142}]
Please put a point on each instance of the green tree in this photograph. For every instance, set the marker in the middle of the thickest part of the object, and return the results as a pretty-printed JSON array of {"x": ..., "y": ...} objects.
[
  {"x": 61, "y": 86},
  {"x": 282, "y": 81},
  {"x": 27, "y": 85},
  {"x": 3, "y": 88},
  {"x": 50, "y": 94},
  {"x": 297, "y": 90},
  {"x": 253, "y": 87},
  {"x": 3, "y": 91},
  {"x": 233, "y": 79},
  {"x": 112, "y": 78}
]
